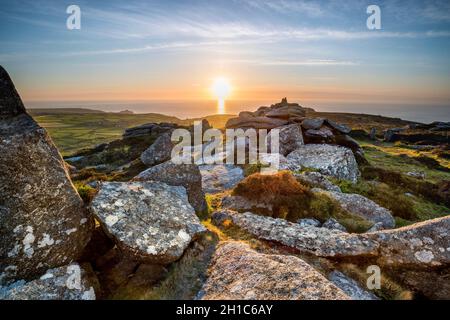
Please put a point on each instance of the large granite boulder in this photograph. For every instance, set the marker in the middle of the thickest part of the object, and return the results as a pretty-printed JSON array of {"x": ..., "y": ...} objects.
[
  {"x": 335, "y": 161},
  {"x": 421, "y": 246},
  {"x": 290, "y": 139},
  {"x": 321, "y": 242},
  {"x": 363, "y": 207},
  {"x": 43, "y": 223},
  {"x": 149, "y": 221},
  {"x": 322, "y": 135},
  {"x": 70, "y": 282},
  {"x": 220, "y": 177},
  {"x": 255, "y": 123},
  {"x": 418, "y": 255},
  {"x": 186, "y": 175},
  {"x": 160, "y": 151},
  {"x": 239, "y": 273}
]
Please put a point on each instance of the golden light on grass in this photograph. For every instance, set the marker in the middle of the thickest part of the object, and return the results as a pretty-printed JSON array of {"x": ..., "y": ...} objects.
[{"x": 221, "y": 90}]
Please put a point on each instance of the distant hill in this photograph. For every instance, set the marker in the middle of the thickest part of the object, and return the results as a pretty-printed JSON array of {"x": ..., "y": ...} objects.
[
  {"x": 74, "y": 129},
  {"x": 56, "y": 111}
]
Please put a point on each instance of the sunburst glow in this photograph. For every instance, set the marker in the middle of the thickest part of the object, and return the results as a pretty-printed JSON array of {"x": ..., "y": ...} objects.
[{"x": 221, "y": 89}]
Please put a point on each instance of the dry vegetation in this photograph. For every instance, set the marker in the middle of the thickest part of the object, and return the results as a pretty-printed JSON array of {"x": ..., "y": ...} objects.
[{"x": 292, "y": 200}]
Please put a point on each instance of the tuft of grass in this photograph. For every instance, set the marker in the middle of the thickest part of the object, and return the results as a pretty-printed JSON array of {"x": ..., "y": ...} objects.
[
  {"x": 86, "y": 192},
  {"x": 213, "y": 202},
  {"x": 286, "y": 195}
]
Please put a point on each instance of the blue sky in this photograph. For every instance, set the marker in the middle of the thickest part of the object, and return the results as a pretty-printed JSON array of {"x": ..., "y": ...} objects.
[{"x": 306, "y": 50}]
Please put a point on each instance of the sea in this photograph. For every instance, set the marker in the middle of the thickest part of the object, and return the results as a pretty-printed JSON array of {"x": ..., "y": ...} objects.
[{"x": 424, "y": 113}]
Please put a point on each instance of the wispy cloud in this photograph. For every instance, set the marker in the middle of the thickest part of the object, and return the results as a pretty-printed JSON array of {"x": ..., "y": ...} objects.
[
  {"x": 297, "y": 62},
  {"x": 287, "y": 6}
]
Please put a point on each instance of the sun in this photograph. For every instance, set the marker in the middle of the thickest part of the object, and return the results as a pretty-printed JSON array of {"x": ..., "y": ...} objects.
[{"x": 221, "y": 88}]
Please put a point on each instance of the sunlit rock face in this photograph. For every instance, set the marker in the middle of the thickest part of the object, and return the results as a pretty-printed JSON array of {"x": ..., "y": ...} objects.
[
  {"x": 238, "y": 272},
  {"x": 149, "y": 221},
  {"x": 70, "y": 282},
  {"x": 43, "y": 222}
]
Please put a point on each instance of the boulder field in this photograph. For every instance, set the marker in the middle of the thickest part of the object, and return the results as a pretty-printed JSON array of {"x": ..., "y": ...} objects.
[{"x": 139, "y": 233}]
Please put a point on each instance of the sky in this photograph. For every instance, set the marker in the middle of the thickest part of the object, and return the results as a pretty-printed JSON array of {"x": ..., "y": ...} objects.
[{"x": 310, "y": 51}]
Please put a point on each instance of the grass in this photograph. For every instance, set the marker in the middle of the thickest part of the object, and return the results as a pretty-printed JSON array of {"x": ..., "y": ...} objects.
[
  {"x": 72, "y": 132},
  {"x": 402, "y": 159},
  {"x": 86, "y": 192},
  {"x": 394, "y": 195},
  {"x": 292, "y": 200}
]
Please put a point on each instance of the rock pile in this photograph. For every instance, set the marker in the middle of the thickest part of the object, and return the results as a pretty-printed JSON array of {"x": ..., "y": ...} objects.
[{"x": 296, "y": 129}]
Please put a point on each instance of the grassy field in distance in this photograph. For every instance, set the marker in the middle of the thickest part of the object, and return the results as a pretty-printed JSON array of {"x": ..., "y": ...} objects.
[{"x": 75, "y": 129}]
